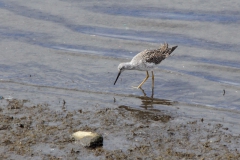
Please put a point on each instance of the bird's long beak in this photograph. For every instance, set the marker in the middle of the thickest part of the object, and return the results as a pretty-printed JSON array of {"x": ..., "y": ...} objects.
[{"x": 117, "y": 77}]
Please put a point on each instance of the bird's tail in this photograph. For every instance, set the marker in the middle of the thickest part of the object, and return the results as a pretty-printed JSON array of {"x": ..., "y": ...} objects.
[
  {"x": 172, "y": 49},
  {"x": 167, "y": 51}
]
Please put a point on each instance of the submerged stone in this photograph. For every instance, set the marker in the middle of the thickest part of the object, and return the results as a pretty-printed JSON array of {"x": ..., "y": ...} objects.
[{"x": 88, "y": 139}]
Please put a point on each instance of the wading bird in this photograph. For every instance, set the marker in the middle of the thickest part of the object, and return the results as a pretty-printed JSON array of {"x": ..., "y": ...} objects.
[{"x": 146, "y": 60}]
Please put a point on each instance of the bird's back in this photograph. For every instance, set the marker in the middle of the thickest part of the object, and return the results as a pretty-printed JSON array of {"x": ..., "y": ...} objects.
[{"x": 154, "y": 56}]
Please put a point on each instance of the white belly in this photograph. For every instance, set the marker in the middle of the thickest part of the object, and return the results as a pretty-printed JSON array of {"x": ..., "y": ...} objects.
[{"x": 146, "y": 67}]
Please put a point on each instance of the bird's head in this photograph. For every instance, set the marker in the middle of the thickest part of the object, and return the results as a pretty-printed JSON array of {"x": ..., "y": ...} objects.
[{"x": 121, "y": 68}]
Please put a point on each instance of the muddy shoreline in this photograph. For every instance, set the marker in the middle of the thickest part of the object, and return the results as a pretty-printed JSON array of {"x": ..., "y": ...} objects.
[{"x": 41, "y": 133}]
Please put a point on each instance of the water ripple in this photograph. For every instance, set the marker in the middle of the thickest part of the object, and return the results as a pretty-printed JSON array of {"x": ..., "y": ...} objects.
[
  {"x": 145, "y": 36},
  {"x": 170, "y": 14},
  {"x": 154, "y": 37}
]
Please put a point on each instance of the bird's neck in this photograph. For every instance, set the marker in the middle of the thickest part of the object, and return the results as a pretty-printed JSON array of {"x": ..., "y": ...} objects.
[{"x": 129, "y": 66}]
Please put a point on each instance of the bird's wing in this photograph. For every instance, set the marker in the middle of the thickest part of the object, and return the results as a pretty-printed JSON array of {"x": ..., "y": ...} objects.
[
  {"x": 154, "y": 56},
  {"x": 157, "y": 55},
  {"x": 150, "y": 56}
]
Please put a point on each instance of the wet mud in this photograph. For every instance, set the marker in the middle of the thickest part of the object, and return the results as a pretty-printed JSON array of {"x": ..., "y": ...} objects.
[{"x": 36, "y": 131}]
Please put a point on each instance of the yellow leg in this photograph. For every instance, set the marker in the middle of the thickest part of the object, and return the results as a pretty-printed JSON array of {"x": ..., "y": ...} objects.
[
  {"x": 152, "y": 80},
  {"x": 140, "y": 85}
]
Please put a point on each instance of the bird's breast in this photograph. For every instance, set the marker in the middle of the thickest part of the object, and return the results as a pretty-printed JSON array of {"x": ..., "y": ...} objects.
[{"x": 145, "y": 66}]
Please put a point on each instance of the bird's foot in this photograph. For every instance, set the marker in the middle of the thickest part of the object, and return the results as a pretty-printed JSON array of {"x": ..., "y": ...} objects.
[{"x": 136, "y": 87}]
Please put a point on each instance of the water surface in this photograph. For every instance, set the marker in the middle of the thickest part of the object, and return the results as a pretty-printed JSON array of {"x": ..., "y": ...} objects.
[{"x": 71, "y": 51}]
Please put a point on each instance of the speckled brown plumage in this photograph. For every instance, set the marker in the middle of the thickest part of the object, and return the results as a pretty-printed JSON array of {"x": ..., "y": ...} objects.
[{"x": 157, "y": 55}]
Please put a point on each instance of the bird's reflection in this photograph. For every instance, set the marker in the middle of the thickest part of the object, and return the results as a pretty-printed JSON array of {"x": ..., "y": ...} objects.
[
  {"x": 146, "y": 94},
  {"x": 149, "y": 101},
  {"x": 147, "y": 111}
]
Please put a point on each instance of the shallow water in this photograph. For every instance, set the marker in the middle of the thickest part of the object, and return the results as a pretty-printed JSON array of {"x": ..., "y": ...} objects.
[{"x": 77, "y": 46}]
